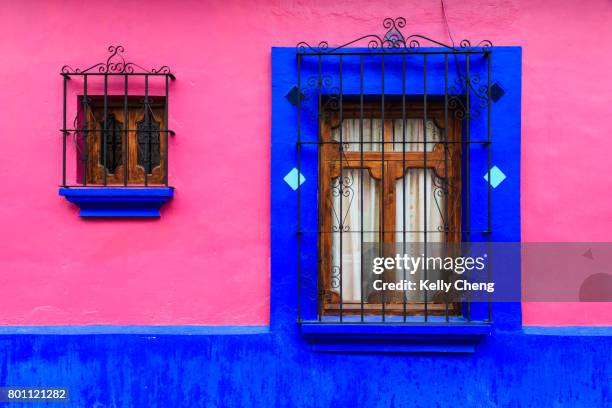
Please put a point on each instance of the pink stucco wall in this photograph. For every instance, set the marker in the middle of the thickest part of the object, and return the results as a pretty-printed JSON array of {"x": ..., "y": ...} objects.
[{"x": 206, "y": 261}]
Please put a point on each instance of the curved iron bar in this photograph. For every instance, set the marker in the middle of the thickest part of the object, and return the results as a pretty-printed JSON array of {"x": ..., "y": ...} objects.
[
  {"x": 392, "y": 39},
  {"x": 116, "y": 64},
  {"x": 310, "y": 92},
  {"x": 78, "y": 132},
  {"x": 440, "y": 192},
  {"x": 342, "y": 187},
  {"x": 345, "y": 181},
  {"x": 335, "y": 277},
  {"x": 457, "y": 91}
]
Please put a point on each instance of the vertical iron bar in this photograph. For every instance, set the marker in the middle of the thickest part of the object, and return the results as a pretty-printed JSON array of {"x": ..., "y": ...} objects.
[
  {"x": 64, "y": 136},
  {"x": 126, "y": 126},
  {"x": 447, "y": 182},
  {"x": 320, "y": 291},
  {"x": 382, "y": 200},
  {"x": 105, "y": 128},
  {"x": 467, "y": 173},
  {"x": 84, "y": 153},
  {"x": 425, "y": 175},
  {"x": 361, "y": 176},
  {"x": 299, "y": 232},
  {"x": 147, "y": 163},
  {"x": 114, "y": 144},
  {"x": 168, "y": 138},
  {"x": 341, "y": 186},
  {"x": 321, "y": 273},
  {"x": 489, "y": 226},
  {"x": 403, "y": 175}
]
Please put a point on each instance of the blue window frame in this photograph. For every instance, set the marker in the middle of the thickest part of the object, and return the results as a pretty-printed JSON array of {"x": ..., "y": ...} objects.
[{"x": 302, "y": 82}]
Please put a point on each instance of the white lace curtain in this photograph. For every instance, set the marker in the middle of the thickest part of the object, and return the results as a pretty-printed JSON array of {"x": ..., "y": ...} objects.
[{"x": 415, "y": 201}]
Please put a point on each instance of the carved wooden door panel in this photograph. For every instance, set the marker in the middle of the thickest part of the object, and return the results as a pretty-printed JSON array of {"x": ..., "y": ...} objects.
[{"x": 136, "y": 147}]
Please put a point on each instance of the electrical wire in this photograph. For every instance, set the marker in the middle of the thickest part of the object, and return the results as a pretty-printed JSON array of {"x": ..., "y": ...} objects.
[{"x": 450, "y": 35}]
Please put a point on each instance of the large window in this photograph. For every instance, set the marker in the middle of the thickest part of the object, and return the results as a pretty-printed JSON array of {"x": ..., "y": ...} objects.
[
  {"x": 387, "y": 177},
  {"x": 398, "y": 138}
]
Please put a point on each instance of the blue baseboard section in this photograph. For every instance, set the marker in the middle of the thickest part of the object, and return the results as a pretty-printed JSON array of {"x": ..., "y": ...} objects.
[
  {"x": 118, "y": 201},
  {"x": 259, "y": 367}
]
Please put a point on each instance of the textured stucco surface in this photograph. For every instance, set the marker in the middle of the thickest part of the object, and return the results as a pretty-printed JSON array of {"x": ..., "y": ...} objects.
[{"x": 206, "y": 261}]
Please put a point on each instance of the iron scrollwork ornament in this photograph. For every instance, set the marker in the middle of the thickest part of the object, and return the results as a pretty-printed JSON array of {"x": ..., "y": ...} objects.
[
  {"x": 330, "y": 95},
  {"x": 116, "y": 64},
  {"x": 458, "y": 94},
  {"x": 392, "y": 39},
  {"x": 342, "y": 187}
]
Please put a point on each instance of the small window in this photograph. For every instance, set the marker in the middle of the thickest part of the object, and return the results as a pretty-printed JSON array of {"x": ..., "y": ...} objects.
[
  {"x": 119, "y": 129},
  {"x": 381, "y": 183},
  {"x": 118, "y": 138}
]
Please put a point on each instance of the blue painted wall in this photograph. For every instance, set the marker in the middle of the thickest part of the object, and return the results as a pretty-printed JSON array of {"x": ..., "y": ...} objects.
[
  {"x": 510, "y": 369},
  {"x": 274, "y": 366}
]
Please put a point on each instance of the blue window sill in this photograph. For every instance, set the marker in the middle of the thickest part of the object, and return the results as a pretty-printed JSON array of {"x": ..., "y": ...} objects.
[
  {"x": 118, "y": 201},
  {"x": 395, "y": 338}
]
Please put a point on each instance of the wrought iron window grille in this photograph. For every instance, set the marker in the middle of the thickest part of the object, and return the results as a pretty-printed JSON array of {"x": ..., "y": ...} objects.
[
  {"x": 333, "y": 80},
  {"x": 145, "y": 142}
]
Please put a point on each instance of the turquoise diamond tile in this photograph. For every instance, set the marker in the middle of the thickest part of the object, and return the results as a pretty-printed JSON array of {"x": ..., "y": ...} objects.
[
  {"x": 497, "y": 176},
  {"x": 292, "y": 179}
]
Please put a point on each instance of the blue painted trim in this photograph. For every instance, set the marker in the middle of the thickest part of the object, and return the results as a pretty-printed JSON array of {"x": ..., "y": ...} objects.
[
  {"x": 604, "y": 331},
  {"x": 344, "y": 329},
  {"x": 118, "y": 201},
  {"x": 395, "y": 338},
  {"x": 505, "y": 154},
  {"x": 135, "y": 329}
]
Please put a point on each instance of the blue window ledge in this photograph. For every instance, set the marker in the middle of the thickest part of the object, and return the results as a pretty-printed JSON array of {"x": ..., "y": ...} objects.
[
  {"x": 395, "y": 338},
  {"x": 118, "y": 201}
]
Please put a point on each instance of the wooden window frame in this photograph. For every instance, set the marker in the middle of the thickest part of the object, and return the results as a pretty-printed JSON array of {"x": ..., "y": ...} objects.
[
  {"x": 329, "y": 168},
  {"x": 136, "y": 114}
]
